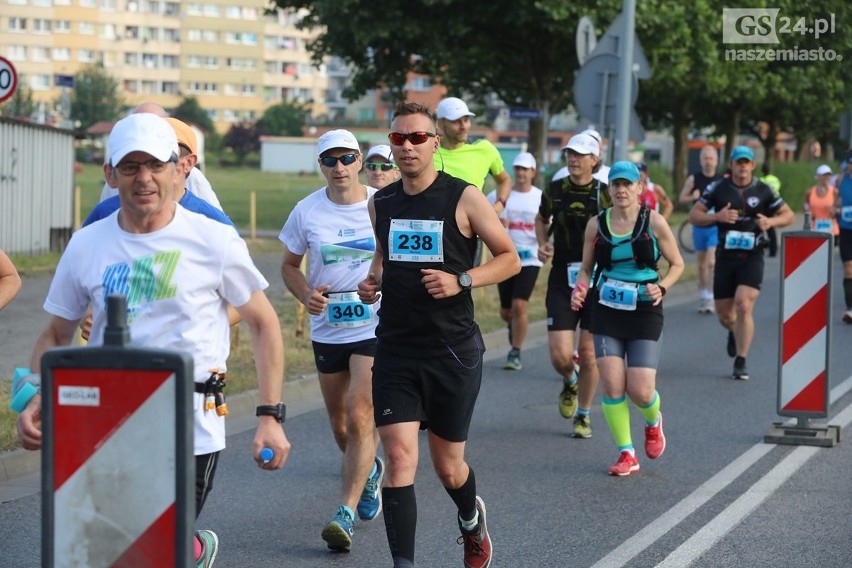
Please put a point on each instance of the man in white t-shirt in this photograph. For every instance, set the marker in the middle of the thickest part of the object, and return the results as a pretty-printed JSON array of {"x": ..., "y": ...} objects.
[
  {"x": 332, "y": 226},
  {"x": 179, "y": 270},
  {"x": 519, "y": 219},
  {"x": 196, "y": 181}
]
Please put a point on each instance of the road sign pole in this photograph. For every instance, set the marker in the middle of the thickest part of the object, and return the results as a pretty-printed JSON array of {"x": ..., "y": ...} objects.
[{"x": 625, "y": 81}]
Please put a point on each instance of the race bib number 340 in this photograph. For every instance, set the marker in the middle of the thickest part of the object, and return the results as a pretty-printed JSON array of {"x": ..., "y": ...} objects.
[
  {"x": 346, "y": 310},
  {"x": 414, "y": 240}
]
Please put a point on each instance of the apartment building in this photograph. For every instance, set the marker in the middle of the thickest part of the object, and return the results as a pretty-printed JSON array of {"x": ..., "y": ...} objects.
[{"x": 229, "y": 54}]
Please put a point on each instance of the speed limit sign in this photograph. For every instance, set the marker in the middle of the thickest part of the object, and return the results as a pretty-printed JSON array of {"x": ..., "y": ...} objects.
[{"x": 8, "y": 79}]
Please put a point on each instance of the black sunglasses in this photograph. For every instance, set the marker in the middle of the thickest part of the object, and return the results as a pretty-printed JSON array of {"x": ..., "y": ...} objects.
[
  {"x": 345, "y": 159},
  {"x": 416, "y": 138},
  {"x": 376, "y": 166}
]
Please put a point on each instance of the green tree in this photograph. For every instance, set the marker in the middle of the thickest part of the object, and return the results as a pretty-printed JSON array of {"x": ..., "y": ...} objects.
[
  {"x": 242, "y": 139},
  {"x": 190, "y": 111},
  {"x": 21, "y": 103},
  {"x": 284, "y": 119},
  {"x": 526, "y": 56},
  {"x": 95, "y": 96}
]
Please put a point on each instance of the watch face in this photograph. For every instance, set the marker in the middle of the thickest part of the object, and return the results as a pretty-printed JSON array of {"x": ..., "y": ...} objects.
[{"x": 465, "y": 281}]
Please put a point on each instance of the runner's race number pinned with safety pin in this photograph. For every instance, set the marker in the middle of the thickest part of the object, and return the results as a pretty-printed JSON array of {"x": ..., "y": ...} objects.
[{"x": 413, "y": 240}]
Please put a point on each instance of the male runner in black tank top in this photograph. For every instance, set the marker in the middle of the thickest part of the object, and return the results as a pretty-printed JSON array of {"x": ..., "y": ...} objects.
[
  {"x": 704, "y": 239},
  {"x": 428, "y": 365}
]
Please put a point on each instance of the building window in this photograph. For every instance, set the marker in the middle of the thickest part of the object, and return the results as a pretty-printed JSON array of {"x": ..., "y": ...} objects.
[
  {"x": 193, "y": 9},
  {"x": 211, "y": 10},
  {"x": 17, "y": 52},
  {"x": 17, "y": 24},
  {"x": 86, "y": 56},
  {"x": 131, "y": 59},
  {"x": 40, "y": 82},
  {"x": 41, "y": 25},
  {"x": 86, "y": 28},
  {"x": 62, "y": 26},
  {"x": 61, "y": 54},
  {"x": 131, "y": 86},
  {"x": 171, "y": 61},
  {"x": 40, "y": 54},
  {"x": 170, "y": 88}
]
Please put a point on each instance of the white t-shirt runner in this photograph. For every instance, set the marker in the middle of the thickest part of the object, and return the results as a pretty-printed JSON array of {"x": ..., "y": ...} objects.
[
  {"x": 178, "y": 282},
  {"x": 340, "y": 243},
  {"x": 521, "y": 209}
]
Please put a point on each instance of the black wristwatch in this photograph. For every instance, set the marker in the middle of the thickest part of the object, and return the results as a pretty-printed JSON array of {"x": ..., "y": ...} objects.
[
  {"x": 277, "y": 411},
  {"x": 465, "y": 281}
]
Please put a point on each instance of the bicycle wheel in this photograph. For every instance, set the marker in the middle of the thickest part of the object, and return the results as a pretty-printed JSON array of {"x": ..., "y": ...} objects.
[{"x": 684, "y": 237}]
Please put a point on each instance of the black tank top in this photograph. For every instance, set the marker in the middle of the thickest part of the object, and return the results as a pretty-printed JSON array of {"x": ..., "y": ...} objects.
[
  {"x": 700, "y": 181},
  {"x": 410, "y": 320}
]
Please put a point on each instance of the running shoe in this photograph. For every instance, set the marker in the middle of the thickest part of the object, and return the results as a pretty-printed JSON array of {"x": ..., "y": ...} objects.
[
  {"x": 740, "y": 372},
  {"x": 338, "y": 532},
  {"x": 568, "y": 399},
  {"x": 706, "y": 306},
  {"x": 732, "y": 344},
  {"x": 847, "y": 317},
  {"x": 209, "y": 548},
  {"x": 370, "y": 504},
  {"x": 513, "y": 361},
  {"x": 626, "y": 464},
  {"x": 582, "y": 427},
  {"x": 477, "y": 543},
  {"x": 655, "y": 440}
]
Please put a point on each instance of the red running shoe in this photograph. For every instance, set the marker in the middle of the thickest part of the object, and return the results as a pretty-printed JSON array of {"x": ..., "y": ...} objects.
[
  {"x": 626, "y": 464},
  {"x": 655, "y": 440}
]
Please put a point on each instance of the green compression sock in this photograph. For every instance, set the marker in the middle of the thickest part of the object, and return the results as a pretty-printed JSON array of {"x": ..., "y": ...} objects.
[
  {"x": 652, "y": 411},
  {"x": 617, "y": 414}
]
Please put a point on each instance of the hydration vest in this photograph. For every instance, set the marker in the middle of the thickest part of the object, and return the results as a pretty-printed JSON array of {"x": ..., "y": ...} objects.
[{"x": 640, "y": 240}]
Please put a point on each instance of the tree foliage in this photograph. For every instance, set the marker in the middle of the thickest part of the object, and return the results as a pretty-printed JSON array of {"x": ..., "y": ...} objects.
[
  {"x": 95, "y": 96},
  {"x": 21, "y": 104},
  {"x": 190, "y": 111},
  {"x": 242, "y": 139},
  {"x": 284, "y": 119},
  {"x": 525, "y": 54}
]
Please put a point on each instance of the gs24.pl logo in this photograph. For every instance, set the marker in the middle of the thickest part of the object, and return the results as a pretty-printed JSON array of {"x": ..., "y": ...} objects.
[{"x": 764, "y": 25}]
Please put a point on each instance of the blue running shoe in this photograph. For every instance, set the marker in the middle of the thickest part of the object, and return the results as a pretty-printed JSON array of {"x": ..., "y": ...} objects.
[
  {"x": 338, "y": 532},
  {"x": 370, "y": 504}
]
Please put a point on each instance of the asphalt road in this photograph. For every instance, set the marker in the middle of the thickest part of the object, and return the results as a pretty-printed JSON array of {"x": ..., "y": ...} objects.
[{"x": 718, "y": 497}]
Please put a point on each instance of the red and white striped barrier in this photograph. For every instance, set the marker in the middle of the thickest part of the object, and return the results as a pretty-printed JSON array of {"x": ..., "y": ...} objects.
[
  {"x": 117, "y": 465},
  {"x": 803, "y": 385}
]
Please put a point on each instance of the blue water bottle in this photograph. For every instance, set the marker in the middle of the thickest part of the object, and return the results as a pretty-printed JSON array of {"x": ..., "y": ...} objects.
[
  {"x": 266, "y": 455},
  {"x": 23, "y": 389}
]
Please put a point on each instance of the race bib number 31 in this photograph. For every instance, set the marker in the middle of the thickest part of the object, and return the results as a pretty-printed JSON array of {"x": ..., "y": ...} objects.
[
  {"x": 619, "y": 295},
  {"x": 346, "y": 310},
  {"x": 413, "y": 240}
]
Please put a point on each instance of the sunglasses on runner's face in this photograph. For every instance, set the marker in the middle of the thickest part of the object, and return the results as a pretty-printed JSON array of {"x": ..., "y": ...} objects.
[
  {"x": 376, "y": 166},
  {"x": 416, "y": 138},
  {"x": 345, "y": 159}
]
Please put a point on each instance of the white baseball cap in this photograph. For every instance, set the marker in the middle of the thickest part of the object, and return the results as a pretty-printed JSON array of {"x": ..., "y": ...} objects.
[
  {"x": 142, "y": 132},
  {"x": 584, "y": 143},
  {"x": 524, "y": 160},
  {"x": 382, "y": 150},
  {"x": 452, "y": 108},
  {"x": 823, "y": 169},
  {"x": 337, "y": 139}
]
